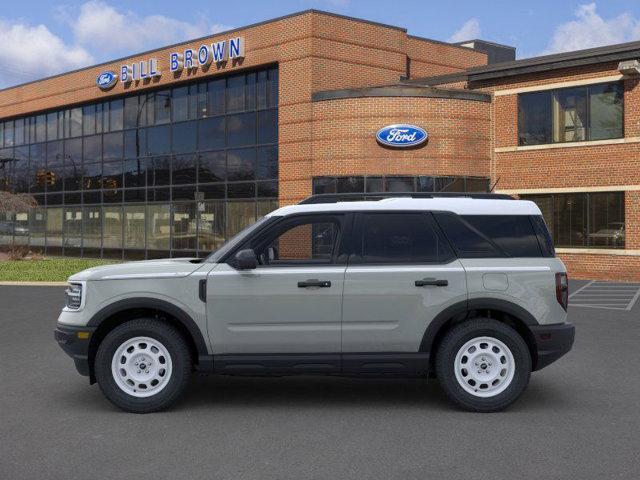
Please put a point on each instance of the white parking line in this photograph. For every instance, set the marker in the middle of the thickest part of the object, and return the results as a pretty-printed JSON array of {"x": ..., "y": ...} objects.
[{"x": 612, "y": 296}]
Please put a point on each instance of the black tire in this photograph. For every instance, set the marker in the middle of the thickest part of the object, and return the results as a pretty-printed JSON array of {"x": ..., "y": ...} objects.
[
  {"x": 177, "y": 348},
  {"x": 456, "y": 338}
]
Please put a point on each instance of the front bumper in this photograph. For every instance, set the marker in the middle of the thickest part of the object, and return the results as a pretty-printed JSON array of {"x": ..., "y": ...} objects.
[
  {"x": 75, "y": 343},
  {"x": 552, "y": 342}
]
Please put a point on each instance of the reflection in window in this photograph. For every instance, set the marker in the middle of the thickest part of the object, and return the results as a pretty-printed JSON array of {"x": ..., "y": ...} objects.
[
  {"x": 593, "y": 112},
  {"x": 112, "y": 236},
  {"x": 92, "y": 227},
  {"x": 211, "y": 226},
  {"x": 158, "y": 227},
  {"x": 240, "y": 214},
  {"x": 594, "y": 220},
  {"x": 134, "y": 226},
  {"x": 175, "y": 144}
]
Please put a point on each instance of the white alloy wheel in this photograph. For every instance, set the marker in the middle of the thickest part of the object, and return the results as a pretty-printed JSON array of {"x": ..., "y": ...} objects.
[
  {"x": 484, "y": 367},
  {"x": 141, "y": 367}
]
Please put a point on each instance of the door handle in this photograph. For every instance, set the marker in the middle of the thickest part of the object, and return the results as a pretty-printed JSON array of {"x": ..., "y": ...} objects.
[
  {"x": 431, "y": 282},
  {"x": 314, "y": 283}
]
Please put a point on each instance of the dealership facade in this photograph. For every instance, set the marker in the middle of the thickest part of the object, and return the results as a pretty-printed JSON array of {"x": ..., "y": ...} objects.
[{"x": 170, "y": 152}]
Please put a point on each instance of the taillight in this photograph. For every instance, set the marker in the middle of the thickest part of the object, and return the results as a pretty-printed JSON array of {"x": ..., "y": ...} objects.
[{"x": 562, "y": 289}]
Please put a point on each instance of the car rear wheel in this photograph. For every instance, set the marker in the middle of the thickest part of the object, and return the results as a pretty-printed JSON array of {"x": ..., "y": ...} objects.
[
  {"x": 483, "y": 365},
  {"x": 143, "y": 365}
]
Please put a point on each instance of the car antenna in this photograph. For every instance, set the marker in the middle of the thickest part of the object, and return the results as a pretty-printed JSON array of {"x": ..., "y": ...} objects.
[{"x": 494, "y": 185}]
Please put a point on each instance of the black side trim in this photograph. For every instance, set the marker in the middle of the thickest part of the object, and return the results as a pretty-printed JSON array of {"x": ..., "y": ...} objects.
[
  {"x": 411, "y": 364},
  {"x": 371, "y": 364},
  {"x": 154, "y": 304},
  {"x": 504, "y": 306},
  {"x": 277, "y": 364}
]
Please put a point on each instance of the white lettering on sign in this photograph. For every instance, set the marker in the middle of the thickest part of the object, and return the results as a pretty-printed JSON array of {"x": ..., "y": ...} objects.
[{"x": 401, "y": 135}]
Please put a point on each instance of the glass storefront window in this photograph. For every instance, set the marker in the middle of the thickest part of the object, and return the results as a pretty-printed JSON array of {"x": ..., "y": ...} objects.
[
  {"x": 112, "y": 227},
  {"x": 108, "y": 174},
  {"x": 240, "y": 214},
  {"x": 134, "y": 226},
  {"x": 158, "y": 227},
  {"x": 184, "y": 226},
  {"x": 37, "y": 226},
  {"x": 92, "y": 227}
]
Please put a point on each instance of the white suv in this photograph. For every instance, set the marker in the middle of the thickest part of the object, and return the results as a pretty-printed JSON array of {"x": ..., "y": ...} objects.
[{"x": 463, "y": 288}]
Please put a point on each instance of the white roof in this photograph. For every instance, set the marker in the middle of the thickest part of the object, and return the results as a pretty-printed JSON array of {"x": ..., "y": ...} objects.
[{"x": 461, "y": 206}]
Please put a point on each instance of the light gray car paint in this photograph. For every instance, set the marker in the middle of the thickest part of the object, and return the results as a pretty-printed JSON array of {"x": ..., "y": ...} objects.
[
  {"x": 264, "y": 311},
  {"x": 383, "y": 310}
]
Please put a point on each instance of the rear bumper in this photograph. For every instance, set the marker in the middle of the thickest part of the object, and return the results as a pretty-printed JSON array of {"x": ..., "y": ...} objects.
[
  {"x": 552, "y": 342},
  {"x": 75, "y": 343}
]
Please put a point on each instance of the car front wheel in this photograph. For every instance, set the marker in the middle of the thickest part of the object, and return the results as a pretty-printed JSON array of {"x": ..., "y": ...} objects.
[
  {"x": 483, "y": 365},
  {"x": 143, "y": 365}
]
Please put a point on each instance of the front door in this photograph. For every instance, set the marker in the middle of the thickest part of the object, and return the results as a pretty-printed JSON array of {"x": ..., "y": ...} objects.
[
  {"x": 402, "y": 274},
  {"x": 291, "y": 303}
]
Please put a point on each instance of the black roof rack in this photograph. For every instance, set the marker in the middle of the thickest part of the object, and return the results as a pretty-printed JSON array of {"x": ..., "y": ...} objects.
[{"x": 355, "y": 197}]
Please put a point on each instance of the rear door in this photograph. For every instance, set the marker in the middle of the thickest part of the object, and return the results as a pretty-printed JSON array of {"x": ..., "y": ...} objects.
[{"x": 403, "y": 273}]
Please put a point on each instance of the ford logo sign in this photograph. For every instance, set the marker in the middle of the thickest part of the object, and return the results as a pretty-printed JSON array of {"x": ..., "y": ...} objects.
[
  {"x": 106, "y": 80},
  {"x": 401, "y": 136}
]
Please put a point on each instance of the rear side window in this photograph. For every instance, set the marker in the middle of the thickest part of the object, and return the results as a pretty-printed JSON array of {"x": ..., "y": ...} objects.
[
  {"x": 467, "y": 241},
  {"x": 402, "y": 238},
  {"x": 514, "y": 234},
  {"x": 544, "y": 237}
]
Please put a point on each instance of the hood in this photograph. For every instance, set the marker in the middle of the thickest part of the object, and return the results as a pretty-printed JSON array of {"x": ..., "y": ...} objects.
[{"x": 152, "y": 269}]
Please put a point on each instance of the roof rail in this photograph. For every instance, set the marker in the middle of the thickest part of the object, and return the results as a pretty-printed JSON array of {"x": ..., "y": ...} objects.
[{"x": 355, "y": 197}]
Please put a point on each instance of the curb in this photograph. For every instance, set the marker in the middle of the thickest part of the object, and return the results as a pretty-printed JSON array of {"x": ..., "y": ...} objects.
[{"x": 34, "y": 284}]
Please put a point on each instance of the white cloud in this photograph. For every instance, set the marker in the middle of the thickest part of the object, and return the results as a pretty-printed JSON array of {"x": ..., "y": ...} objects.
[
  {"x": 591, "y": 30},
  {"x": 28, "y": 52},
  {"x": 104, "y": 29},
  {"x": 98, "y": 32},
  {"x": 469, "y": 31}
]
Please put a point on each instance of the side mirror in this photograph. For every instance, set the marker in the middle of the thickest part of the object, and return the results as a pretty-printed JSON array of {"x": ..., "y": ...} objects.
[{"x": 245, "y": 260}]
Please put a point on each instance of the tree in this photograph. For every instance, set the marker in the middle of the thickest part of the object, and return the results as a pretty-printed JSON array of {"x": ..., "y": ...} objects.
[{"x": 16, "y": 202}]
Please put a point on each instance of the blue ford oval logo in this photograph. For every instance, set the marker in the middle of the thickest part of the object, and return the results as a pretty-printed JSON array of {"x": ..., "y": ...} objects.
[
  {"x": 401, "y": 136},
  {"x": 106, "y": 80}
]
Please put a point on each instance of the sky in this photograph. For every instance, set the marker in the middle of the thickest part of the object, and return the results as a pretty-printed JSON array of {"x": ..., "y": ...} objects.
[{"x": 39, "y": 38}]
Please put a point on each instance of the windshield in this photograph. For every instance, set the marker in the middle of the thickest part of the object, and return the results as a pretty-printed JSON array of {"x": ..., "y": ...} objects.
[{"x": 234, "y": 241}]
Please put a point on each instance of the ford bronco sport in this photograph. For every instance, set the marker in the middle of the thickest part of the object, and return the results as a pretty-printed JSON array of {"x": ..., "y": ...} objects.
[{"x": 464, "y": 288}]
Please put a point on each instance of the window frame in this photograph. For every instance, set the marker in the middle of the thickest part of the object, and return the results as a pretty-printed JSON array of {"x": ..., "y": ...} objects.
[
  {"x": 552, "y": 93},
  {"x": 357, "y": 236}
]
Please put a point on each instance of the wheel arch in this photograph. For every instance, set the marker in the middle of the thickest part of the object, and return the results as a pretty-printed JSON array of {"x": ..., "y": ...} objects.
[
  {"x": 504, "y": 311},
  {"x": 121, "y": 311}
]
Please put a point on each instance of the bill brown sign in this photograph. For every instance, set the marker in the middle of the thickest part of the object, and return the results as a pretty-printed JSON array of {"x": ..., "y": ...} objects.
[{"x": 189, "y": 59}]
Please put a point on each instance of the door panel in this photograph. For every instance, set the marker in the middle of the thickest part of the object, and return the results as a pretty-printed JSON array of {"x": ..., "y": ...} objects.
[
  {"x": 265, "y": 311},
  {"x": 402, "y": 275},
  {"x": 384, "y": 310}
]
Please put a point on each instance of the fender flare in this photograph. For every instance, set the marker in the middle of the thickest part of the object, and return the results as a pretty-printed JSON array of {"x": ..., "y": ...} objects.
[
  {"x": 154, "y": 304},
  {"x": 464, "y": 307}
]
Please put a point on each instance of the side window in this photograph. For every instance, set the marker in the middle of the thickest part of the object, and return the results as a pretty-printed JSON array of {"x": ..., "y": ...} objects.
[
  {"x": 468, "y": 242},
  {"x": 514, "y": 234},
  {"x": 300, "y": 243},
  {"x": 402, "y": 238}
]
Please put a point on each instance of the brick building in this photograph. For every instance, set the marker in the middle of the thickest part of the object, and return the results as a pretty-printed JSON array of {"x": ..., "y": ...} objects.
[{"x": 171, "y": 151}]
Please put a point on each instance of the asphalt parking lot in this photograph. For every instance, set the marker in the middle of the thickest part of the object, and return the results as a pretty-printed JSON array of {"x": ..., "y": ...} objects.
[{"x": 579, "y": 418}]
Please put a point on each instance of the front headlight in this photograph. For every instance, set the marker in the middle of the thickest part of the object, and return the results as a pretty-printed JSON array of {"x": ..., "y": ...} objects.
[{"x": 74, "y": 296}]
